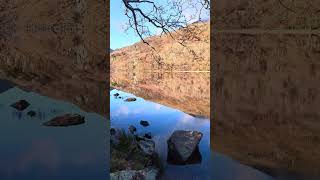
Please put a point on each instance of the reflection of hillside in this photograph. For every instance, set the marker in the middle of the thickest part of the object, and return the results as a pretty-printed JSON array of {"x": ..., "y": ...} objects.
[
  {"x": 267, "y": 115},
  {"x": 188, "y": 92},
  {"x": 55, "y": 49}
]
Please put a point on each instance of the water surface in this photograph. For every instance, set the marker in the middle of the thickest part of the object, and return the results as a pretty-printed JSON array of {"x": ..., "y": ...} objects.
[
  {"x": 30, "y": 150},
  {"x": 163, "y": 122}
]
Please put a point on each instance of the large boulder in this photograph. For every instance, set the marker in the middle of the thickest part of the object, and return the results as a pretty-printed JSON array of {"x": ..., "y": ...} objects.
[
  {"x": 20, "y": 105},
  {"x": 66, "y": 120},
  {"x": 183, "y": 146}
]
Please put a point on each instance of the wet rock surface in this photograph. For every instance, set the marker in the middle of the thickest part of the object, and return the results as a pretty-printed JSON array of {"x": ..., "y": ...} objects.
[
  {"x": 20, "y": 105},
  {"x": 130, "y": 99},
  {"x": 183, "y": 144},
  {"x": 66, "y": 120},
  {"x": 31, "y": 113},
  {"x": 144, "y": 123}
]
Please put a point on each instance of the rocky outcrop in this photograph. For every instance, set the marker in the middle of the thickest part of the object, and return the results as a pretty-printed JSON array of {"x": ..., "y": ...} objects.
[
  {"x": 145, "y": 174},
  {"x": 132, "y": 157},
  {"x": 66, "y": 120}
]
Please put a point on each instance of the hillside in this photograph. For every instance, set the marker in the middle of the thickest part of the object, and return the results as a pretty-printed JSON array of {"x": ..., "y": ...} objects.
[
  {"x": 54, "y": 48},
  {"x": 193, "y": 56}
]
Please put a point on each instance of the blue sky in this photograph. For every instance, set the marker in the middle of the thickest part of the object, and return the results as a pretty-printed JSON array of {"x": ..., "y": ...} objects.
[{"x": 118, "y": 36}]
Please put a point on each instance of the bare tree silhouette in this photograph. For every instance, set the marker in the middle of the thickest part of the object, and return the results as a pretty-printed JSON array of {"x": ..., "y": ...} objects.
[{"x": 165, "y": 17}]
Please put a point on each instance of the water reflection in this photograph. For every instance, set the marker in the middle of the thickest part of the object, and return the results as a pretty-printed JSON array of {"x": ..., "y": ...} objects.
[
  {"x": 163, "y": 122},
  {"x": 33, "y": 151},
  {"x": 188, "y": 92}
]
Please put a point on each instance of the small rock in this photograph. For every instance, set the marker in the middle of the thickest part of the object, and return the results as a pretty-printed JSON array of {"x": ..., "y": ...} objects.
[
  {"x": 148, "y": 135},
  {"x": 66, "y": 120},
  {"x": 130, "y": 99},
  {"x": 147, "y": 146},
  {"x": 144, "y": 123},
  {"x": 112, "y": 131},
  {"x": 31, "y": 113},
  {"x": 132, "y": 129},
  {"x": 116, "y": 94},
  {"x": 184, "y": 143},
  {"x": 115, "y": 135},
  {"x": 20, "y": 105}
]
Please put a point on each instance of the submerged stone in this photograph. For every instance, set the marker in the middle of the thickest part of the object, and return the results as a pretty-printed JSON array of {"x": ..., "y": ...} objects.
[
  {"x": 31, "y": 113},
  {"x": 144, "y": 123},
  {"x": 66, "y": 120},
  {"x": 20, "y": 105}
]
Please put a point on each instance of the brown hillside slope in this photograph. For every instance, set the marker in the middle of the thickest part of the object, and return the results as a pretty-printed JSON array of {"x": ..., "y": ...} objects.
[
  {"x": 194, "y": 56},
  {"x": 54, "y": 48}
]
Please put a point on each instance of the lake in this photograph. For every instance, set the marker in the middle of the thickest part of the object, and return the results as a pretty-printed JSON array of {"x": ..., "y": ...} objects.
[
  {"x": 30, "y": 150},
  {"x": 174, "y": 101}
]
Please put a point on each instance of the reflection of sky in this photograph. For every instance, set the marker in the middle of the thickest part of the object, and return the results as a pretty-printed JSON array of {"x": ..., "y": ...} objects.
[
  {"x": 163, "y": 122},
  {"x": 30, "y": 150}
]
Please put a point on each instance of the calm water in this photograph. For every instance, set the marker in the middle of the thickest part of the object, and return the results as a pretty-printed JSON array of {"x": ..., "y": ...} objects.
[
  {"x": 32, "y": 151},
  {"x": 163, "y": 122}
]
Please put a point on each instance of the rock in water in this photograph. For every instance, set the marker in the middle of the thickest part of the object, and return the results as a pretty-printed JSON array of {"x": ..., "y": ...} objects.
[
  {"x": 66, "y": 120},
  {"x": 31, "y": 113},
  {"x": 184, "y": 143},
  {"x": 148, "y": 135},
  {"x": 20, "y": 105},
  {"x": 116, "y": 94},
  {"x": 147, "y": 146},
  {"x": 130, "y": 99},
  {"x": 132, "y": 129},
  {"x": 144, "y": 123}
]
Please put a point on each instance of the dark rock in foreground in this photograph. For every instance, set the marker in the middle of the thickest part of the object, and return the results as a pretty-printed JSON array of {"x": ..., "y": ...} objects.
[
  {"x": 130, "y": 99},
  {"x": 183, "y": 144},
  {"x": 148, "y": 135},
  {"x": 31, "y": 113},
  {"x": 66, "y": 120},
  {"x": 132, "y": 129},
  {"x": 147, "y": 146},
  {"x": 145, "y": 174},
  {"x": 144, "y": 123},
  {"x": 20, "y": 105},
  {"x": 132, "y": 159}
]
